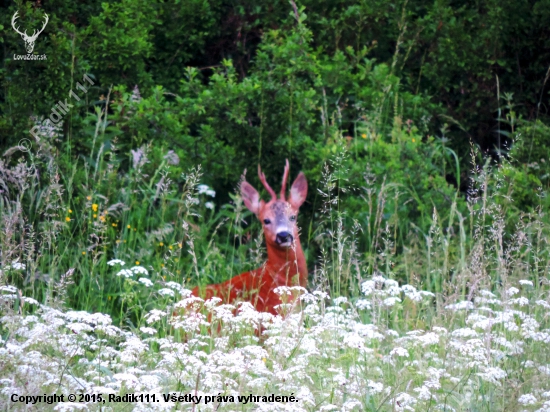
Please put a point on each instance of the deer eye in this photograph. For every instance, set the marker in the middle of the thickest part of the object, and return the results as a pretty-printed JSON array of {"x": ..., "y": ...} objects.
[
  {"x": 292, "y": 218},
  {"x": 267, "y": 221}
]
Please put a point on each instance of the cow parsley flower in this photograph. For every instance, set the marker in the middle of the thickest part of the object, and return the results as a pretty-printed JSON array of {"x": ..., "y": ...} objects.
[
  {"x": 527, "y": 399},
  {"x": 363, "y": 304},
  {"x": 401, "y": 352},
  {"x": 139, "y": 270},
  {"x": 167, "y": 292},
  {"x": 126, "y": 273},
  {"x": 464, "y": 305},
  {"x": 147, "y": 330},
  {"x": 512, "y": 291},
  {"x": 154, "y": 316},
  {"x": 116, "y": 262},
  {"x": 17, "y": 265},
  {"x": 146, "y": 281}
]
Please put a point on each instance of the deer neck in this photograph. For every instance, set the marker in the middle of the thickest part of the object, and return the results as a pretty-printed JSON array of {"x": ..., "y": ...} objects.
[{"x": 287, "y": 263}]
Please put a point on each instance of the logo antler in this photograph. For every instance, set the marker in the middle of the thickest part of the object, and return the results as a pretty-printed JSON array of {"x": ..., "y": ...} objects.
[{"x": 29, "y": 40}]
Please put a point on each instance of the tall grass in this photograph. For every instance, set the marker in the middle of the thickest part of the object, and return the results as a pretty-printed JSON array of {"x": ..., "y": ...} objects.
[{"x": 455, "y": 318}]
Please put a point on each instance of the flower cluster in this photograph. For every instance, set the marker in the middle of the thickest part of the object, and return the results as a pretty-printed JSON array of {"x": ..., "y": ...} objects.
[{"x": 340, "y": 354}]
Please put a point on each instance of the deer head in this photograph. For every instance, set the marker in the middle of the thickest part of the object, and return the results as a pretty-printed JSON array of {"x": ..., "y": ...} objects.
[
  {"x": 278, "y": 216},
  {"x": 29, "y": 40}
]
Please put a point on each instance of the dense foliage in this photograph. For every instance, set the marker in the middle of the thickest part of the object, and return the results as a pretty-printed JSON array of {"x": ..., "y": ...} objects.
[{"x": 422, "y": 128}]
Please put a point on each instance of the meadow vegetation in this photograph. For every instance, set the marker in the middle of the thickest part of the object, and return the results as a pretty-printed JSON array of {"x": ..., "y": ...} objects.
[{"x": 428, "y": 257}]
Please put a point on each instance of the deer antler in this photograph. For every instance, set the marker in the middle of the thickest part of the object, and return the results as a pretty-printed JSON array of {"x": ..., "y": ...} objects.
[
  {"x": 285, "y": 177},
  {"x": 15, "y": 16},
  {"x": 266, "y": 185}
]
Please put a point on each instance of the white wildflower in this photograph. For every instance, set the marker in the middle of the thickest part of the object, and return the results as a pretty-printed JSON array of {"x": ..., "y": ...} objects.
[
  {"x": 363, "y": 304},
  {"x": 527, "y": 399},
  {"x": 126, "y": 273},
  {"x": 31, "y": 301},
  {"x": 464, "y": 333},
  {"x": 429, "y": 338},
  {"x": 209, "y": 205},
  {"x": 493, "y": 375},
  {"x": 202, "y": 188},
  {"x": 70, "y": 407},
  {"x": 464, "y": 305},
  {"x": 512, "y": 291},
  {"x": 8, "y": 288},
  {"x": 146, "y": 281},
  {"x": 148, "y": 330},
  {"x": 353, "y": 340},
  {"x": 167, "y": 292},
  {"x": 375, "y": 387},
  {"x": 139, "y": 270},
  {"x": 401, "y": 352},
  {"x": 368, "y": 287},
  {"x": 423, "y": 393},
  {"x": 17, "y": 265},
  {"x": 339, "y": 300},
  {"x": 391, "y": 301},
  {"x": 526, "y": 282},
  {"x": 282, "y": 290},
  {"x": 154, "y": 316},
  {"x": 403, "y": 402},
  {"x": 116, "y": 262},
  {"x": 521, "y": 301},
  {"x": 174, "y": 285}
]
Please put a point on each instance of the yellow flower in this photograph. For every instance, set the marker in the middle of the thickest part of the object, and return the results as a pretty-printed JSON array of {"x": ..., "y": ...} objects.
[
  {"x": 180, "y": 245},
  {"x": 113, "y": 224},
  {"x": 414, "y": 140},
  {"x": 83, "y": 253},
  {"x": 170, "y": 247},
  {"x": 88, "y": 197},
  {"x": 129, "y": 227},
  {"x": 94, "y": 207},
  {"x": 164, "y": 278},
  {"x": 162, "y": 265},
  {"x": 264, "y": 360},
  {"x": 137, "y": 262},
  {"x": 95, "y": 215},
  {"x": 161, "y": 244},
  {"x": 70, "y": 211},
  {"x": 364, "y": 135},
  {"x": 68, "y": 219},
  {"x": 102, "y": 218},
  {"x": 118, "y": 240}
]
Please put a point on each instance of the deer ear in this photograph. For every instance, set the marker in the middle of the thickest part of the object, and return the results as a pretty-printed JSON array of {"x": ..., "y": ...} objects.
[
  {"x": 251, "y": 198},
  {"x": 298, "y": 191}
]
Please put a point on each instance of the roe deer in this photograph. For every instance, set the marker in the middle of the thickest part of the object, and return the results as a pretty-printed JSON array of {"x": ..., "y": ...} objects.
[{"x": 286, "y": 264}]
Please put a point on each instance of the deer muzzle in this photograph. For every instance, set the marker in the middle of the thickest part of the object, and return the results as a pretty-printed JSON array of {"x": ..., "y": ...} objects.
[{"x": 284, "y": 238}]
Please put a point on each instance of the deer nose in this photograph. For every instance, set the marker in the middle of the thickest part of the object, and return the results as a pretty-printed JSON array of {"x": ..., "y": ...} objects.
[{"x": 284, "y": 237}]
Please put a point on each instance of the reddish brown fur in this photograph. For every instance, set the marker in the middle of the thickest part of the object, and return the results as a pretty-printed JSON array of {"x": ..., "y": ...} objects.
[{"x": 286, "y": 264}]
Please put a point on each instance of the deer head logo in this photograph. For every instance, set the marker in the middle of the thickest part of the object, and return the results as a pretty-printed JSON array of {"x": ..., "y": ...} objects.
[{"x": 29, "y": 40}]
